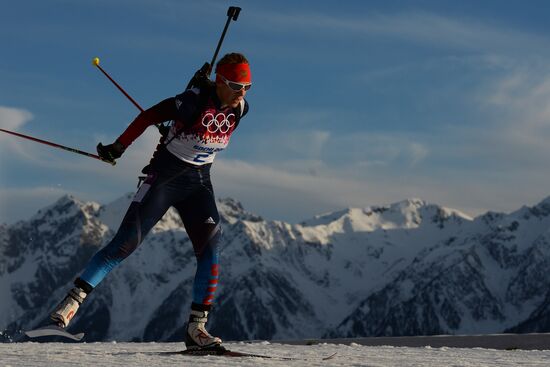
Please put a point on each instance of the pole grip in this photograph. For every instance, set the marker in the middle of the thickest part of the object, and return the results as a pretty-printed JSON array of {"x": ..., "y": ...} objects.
[{"x": 233, "y": 12}]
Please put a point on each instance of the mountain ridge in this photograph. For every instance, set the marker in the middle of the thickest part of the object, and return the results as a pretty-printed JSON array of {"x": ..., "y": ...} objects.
[{"x": 408, "y": 268}]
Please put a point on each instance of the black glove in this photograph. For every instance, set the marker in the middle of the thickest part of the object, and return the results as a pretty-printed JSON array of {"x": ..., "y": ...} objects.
[{"x": 110, "y": 152}]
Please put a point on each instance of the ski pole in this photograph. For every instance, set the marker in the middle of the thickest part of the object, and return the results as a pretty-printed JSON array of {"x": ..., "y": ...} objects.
[
  {"x": 205, "y": 71},
  {"x": 55, "y": 145},
  {"x": 232, "y": 14},
  {"x": 95, "y": 62}
]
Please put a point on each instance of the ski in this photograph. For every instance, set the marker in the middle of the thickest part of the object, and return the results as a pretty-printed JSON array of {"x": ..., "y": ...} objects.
[
  {"x": 53, "y": 330},
  {"x": 223, "y": 352},
  {"x": 228, "y": 353}
]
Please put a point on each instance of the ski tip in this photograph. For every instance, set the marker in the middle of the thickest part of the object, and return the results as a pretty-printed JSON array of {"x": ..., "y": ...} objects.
[
  {"x": 95, "y": 61},
  {"x": 79, "y": 337},
  {"x": 330, "y": 357},
  {"x": 53, "y": 330}
]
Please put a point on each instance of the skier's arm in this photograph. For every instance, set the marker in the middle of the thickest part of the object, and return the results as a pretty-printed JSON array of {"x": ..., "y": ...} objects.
[
  {"x": 179, "y": 107},
  {"x": 163, "y": 111}
]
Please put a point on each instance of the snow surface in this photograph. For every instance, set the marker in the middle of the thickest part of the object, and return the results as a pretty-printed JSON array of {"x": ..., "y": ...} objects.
[{"x": 150, "y": 354}]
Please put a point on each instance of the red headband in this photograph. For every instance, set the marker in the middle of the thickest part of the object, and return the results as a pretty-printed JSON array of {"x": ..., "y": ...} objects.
[{"x": 239, "y": 73}]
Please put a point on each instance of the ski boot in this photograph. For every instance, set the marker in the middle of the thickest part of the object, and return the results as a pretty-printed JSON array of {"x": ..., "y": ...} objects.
[
  {"x": 197, "y": 337},
  {"x": 66, "y": 310}
]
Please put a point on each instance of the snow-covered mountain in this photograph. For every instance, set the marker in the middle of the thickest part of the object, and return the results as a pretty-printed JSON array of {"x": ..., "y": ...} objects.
[{"x": 409, "y": 268}]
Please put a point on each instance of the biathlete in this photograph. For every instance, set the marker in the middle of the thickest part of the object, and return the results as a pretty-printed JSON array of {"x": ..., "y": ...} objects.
[{"x": 179, "y": 176}]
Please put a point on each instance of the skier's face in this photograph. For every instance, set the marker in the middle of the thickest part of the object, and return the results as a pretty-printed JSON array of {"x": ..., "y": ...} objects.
[{"x": 228, "y": 94}]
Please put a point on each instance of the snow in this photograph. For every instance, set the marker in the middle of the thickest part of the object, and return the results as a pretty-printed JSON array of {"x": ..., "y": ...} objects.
[{"x": 151, "y": 354}]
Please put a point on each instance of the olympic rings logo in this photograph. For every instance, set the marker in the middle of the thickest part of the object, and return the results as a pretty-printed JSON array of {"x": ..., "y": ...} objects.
[{"x": 220, "y": 122}]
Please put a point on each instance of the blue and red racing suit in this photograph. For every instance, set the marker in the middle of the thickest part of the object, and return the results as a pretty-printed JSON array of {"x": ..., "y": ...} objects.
[{"x": 179, "y": 176}]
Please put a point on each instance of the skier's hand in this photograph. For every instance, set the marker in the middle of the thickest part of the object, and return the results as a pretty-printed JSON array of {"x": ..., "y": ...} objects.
[{"x": 110, "y": 152}]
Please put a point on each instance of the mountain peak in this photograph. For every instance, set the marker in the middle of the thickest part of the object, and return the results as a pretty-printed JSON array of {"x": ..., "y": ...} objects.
[
  {"x": 62, "y": 204},
  {"x": 543, "y": 207},
  {"x": 232, "y": 210},
  {"x": 426, "y": 209},
  {"x": 67, "y": 198},
  {"x": 540, "y": 210},
  {"x": 405, "y": 214},
  {"x": 410, "y": 203},
  {"x": 66, "y": 206}
]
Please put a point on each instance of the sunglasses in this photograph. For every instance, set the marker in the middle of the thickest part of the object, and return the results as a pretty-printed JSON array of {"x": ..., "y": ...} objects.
[{"x": 236, "y": 87}]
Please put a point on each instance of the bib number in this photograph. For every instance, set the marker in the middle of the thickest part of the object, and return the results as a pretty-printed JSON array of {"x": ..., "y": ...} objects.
[{"x": 199, "y": 158}]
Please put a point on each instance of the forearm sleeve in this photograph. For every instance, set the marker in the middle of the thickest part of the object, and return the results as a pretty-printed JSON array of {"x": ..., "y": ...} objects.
[{"x": 163, "y": 111}]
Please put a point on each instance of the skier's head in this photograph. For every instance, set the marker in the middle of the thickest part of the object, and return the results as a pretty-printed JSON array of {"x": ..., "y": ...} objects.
[{"x": 233, "y": 79}]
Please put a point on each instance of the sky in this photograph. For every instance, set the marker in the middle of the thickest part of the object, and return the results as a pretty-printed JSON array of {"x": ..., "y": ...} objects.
[{"x": 353, "y": 104}]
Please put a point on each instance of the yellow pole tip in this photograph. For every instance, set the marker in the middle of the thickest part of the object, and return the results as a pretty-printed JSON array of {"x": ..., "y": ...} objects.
[{"x": 95, "y": 61}]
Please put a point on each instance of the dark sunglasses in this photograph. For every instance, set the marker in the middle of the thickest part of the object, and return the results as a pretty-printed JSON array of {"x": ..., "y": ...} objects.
[{"x": 236, "y": 87}]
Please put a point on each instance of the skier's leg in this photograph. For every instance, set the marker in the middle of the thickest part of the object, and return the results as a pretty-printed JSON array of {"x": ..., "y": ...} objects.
[
  {"x": 207, "y": 252},
  {"x": 201, "y": 219},
  {"x": 149, "y": 205},
  {"x": 146, "y": 209}
]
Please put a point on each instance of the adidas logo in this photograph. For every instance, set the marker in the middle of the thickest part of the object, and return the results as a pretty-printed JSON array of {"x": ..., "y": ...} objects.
[{"x": 210, "y": 221}]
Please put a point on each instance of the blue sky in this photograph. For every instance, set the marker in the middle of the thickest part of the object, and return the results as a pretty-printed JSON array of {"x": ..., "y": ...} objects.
[{"x": 354, "y": 103}]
